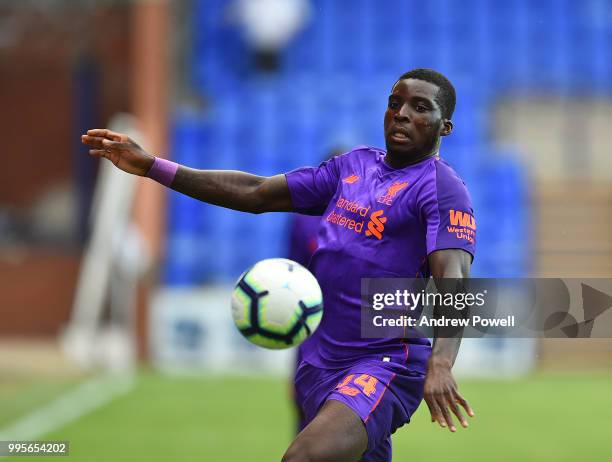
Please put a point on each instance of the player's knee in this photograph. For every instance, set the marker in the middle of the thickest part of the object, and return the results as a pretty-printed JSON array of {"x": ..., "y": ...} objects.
[
  {"x": 292, "y": 455},
  {"x": 305, "y": 451}
]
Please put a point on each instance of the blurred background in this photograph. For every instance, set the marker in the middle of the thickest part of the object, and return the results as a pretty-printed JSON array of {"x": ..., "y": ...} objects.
[{"x": 115, "y": 329}]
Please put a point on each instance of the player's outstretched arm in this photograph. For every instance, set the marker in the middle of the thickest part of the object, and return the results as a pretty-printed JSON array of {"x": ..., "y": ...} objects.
[
  {"x": 441, "y": 392},
  {"x": 226, "y": 188}
]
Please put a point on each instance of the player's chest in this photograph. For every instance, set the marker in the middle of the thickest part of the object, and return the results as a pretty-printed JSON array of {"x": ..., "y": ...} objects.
[{"x": 373, "y": 207}]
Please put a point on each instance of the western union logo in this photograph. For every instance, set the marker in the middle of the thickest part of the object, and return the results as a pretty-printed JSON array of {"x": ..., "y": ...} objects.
[{"x": 463, "y": 219}]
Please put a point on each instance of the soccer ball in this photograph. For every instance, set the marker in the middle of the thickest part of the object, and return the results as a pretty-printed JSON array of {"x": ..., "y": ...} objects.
[{"x": 277, "y": 303}]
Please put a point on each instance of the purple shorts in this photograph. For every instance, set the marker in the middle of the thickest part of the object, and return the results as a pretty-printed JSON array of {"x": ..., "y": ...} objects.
[{"x": 383, "y": 394}]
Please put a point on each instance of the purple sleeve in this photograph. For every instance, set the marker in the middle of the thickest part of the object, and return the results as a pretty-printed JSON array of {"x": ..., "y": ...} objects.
[
  {"x": 446, "y": 208},
  {"x": 312, "y": 188}
]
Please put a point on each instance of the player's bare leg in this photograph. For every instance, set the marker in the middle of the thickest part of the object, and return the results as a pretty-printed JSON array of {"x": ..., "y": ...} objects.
[{"x": 336, "y": 434}]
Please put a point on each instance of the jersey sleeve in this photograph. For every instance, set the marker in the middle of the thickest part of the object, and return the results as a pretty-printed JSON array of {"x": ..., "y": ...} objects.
[
  {"x": 312, "y": 188},
  {"x": 446, "y": 209}
]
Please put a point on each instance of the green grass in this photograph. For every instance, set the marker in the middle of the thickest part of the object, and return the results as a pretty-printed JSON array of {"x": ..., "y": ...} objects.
[
  {"x": 547, "y": 418},
  {"x": 20, "y": 395}
]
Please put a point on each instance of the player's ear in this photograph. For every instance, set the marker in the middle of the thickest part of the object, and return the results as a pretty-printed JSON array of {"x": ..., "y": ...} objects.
[{"x": 447, "y": 127}]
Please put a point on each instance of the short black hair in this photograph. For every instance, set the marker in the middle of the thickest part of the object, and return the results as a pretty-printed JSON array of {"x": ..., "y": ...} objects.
[{"x": 446, "y": 96}]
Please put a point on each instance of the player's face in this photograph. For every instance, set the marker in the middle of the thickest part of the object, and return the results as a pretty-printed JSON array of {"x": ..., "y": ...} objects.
[{"x": 413, "y": 120}]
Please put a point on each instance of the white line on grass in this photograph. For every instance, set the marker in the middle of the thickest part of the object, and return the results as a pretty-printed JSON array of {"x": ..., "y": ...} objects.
[{"x": 69, "y": 407}]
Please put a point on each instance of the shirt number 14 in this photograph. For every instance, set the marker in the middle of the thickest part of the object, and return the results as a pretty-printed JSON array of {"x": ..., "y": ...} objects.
[{"x": 366, "y": 382}]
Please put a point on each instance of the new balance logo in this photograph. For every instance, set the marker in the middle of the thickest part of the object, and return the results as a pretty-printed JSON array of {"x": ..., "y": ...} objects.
[
  {"x": 376, "y": 225},
  {"x": 350, "y": 179},
  {"x": 463, "y": 219}
]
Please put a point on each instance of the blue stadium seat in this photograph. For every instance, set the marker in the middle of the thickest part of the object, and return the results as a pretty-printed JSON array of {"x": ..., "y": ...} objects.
[{"x": 344, "y": 63}]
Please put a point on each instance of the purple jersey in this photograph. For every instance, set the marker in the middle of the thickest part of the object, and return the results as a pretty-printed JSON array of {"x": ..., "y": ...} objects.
[{"x": 377, "y": 222}]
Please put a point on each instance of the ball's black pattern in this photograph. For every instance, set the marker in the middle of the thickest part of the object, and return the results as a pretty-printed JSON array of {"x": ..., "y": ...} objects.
[{"x": 255, "y": 328}]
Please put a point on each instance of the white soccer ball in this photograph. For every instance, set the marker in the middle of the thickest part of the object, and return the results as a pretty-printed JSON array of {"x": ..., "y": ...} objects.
[{"x": 277, "y": 303}]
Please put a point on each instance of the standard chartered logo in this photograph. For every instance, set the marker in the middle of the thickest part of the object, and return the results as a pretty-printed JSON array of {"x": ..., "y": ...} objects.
[
  {"x": 376, "y": 225},
  {"x": 355, "y": 220}
]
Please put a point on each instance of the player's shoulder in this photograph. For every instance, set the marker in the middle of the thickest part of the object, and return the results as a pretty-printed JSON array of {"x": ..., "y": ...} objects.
[
  {"x": 443, "y": 181},
  {"x": 362, "y": 153},
  {"x": 368, "y": 150},
  {"x": 446, "y": 177}
]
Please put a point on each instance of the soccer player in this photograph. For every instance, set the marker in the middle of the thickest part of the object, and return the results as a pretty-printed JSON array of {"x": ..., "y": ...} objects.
[{"x": 385, "y": 214}]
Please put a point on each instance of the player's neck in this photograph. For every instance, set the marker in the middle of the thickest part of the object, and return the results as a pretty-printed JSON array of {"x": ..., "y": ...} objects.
[{"x": 397, "y": 160}]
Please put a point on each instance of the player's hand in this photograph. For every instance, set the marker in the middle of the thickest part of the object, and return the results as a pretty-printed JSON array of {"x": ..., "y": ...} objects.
[
  {"x": 126, "y": 154},
  {"x": 443, "y": 398}
]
